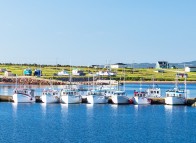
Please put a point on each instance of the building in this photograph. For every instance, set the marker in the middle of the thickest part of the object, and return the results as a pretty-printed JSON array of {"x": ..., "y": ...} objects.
[
  {"x": 8, "y": 73},
  {"x": 118, "y": 65},
  {"x": 190, "y": 69},
  {"x": 97, "y": 66},
  {"x": 77, "y": 72},
  {"x": 37, "y": 72},
  {"x": 27, "y": 72},
  {"x": 105, "y": 73},
  {"x": 162, "y": 65},
  {"x": 63, "y": 73},
  {"x": 107, "y": 82},
  {"x": 2, "y": 70},
  {"x": 182, "y": 75}
]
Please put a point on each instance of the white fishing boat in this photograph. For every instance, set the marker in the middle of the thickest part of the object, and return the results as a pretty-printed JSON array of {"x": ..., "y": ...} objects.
[
  {"x": 23, "y": 95},
  {"x": 153, "y": 91},
  {"x": 119, "y": 97},
  {"x": 140, "y": 97},
  {"x": 70, "y": 96},
  {"x": 97, "y": 97},
  {"x": 176, "y": 96},
  {"x": 50, "y": 96}
]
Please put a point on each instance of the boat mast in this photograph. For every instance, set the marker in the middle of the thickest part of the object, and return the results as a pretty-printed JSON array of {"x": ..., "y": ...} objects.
[
  {"x": 124, "y": 80},
  {"x": 88, "y": 77},
  {"x": 140, "y": 84},
  {"x": 70, "y": 76},
  {"x": 185, "y": 88},
  {"x": 153, "y": 83}
]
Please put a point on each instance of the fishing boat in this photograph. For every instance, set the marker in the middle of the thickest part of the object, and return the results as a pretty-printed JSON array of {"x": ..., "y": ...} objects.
[
  {"x": 119, "y": 97},
  {"x": 96, "y": 97},
  {"x": 176, "y": 96},
  {"x": 154, "y": 91},
  {"x": 23, "y": 95},
  {"x": 50, "y": 95},
  {"x": 140, "y": 97},
  {"x": 70, "y": 96}
]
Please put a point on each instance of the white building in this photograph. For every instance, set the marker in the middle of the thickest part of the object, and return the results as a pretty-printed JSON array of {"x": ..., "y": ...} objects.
[
  {"x": 9, "y": 73},
  {"x": 118, "y": 65},
  {"x": 77, "y": 72},
  {"x": 63, "y": 73},
  {"x": 105, "y": 73},
  {"x": 162, "y": 65},
  {"x": 190, "y": 69}
]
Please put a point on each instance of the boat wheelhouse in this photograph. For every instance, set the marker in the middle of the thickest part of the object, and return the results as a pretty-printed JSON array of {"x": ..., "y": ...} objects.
[
  {"x": 23, "y": 95},
  {"x": 140, "y": 97},
  {"x": 119, "y": 97},
  {"x": 70, "y": 96},
  {"x": 50, "y": 96},
  {"x": 176, "y": 96},
  {"x": 97, "y": 97}
]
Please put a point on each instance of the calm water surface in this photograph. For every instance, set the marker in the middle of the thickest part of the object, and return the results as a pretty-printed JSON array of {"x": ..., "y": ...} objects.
[{"x": 56, "y": 123}]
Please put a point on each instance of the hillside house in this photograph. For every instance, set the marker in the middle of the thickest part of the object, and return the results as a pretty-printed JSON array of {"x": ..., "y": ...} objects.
[
  {"x": 190, "y": 69},
  {"x": 118, "y": 65},
  {"x": 162, "y": 65}
]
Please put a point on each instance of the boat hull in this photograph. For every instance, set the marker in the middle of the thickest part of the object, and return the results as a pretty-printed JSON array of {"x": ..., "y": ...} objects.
[
  {"x": 96, "y": 99},
  {"x": 49, "y": 99},
  {"x": 141, "y": 100},
  {"x": 120, "y": 99},
  {"x": 22, "y": 98},
  {"x": 175, "y": 100},
  {"x": 71, "y": 99}
]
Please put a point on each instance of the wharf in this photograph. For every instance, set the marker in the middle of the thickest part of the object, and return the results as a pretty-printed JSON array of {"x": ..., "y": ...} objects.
[{"x": 155, "y": 101}]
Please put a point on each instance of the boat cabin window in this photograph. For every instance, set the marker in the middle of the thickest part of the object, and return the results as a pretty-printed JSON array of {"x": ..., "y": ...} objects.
[{"x": 157, "y": 92}]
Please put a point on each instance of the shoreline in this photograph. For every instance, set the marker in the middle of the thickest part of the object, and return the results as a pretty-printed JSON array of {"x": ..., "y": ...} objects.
[{"x": 126, "y": 82}]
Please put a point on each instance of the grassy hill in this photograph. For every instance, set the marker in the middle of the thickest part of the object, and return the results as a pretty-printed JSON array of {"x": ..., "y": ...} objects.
[{"x": 130, "y": 74}]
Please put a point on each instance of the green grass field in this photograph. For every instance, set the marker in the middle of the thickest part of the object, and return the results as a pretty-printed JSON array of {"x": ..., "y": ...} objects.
[{"x": 128, "y": 73}]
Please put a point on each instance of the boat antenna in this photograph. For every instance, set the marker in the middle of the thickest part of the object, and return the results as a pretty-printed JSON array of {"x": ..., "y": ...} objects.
[
  {"x": 176, "y": 83},
  {"x": 70, "y": 76},
  {"x": 88, "y": 78},
  {"x": 16, "y": 84},
  {"x": 93, "y": 82},
  {"x": 153, "y": 83},
  {"x": 124, "y": 80},
  {"x": 185, "y": 87},
  {"x": 140, "y": 84}
]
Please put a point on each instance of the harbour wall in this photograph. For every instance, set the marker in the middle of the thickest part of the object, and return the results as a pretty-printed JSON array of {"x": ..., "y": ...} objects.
[{"x": 154, "y": 101}]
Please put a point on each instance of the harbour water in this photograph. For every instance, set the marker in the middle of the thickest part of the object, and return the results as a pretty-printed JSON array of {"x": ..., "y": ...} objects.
[
  {"x": 96, "y": 123},
  {"x": 7, "y": 89},
  {"x": 57, "y": 123}
]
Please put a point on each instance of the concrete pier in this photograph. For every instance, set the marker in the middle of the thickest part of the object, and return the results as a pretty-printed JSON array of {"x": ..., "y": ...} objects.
[{"x": 155, "y": 101}]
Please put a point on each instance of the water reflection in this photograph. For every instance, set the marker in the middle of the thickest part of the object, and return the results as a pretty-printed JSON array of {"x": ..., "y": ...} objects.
[
  {"x": 168, "y": 108},
  {"x": 43, "y": 105},
  {"x": 89, "y": 106},
  {"x": 64, "y": 109},
  {"x": 15, "y": 106}
]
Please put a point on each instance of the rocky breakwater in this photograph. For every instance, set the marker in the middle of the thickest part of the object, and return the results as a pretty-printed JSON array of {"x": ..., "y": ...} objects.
[{"x": 30, "y": 81}]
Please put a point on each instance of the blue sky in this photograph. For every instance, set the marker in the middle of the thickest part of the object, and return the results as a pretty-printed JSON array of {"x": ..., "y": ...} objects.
[{"x": 86, "y": 32}]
